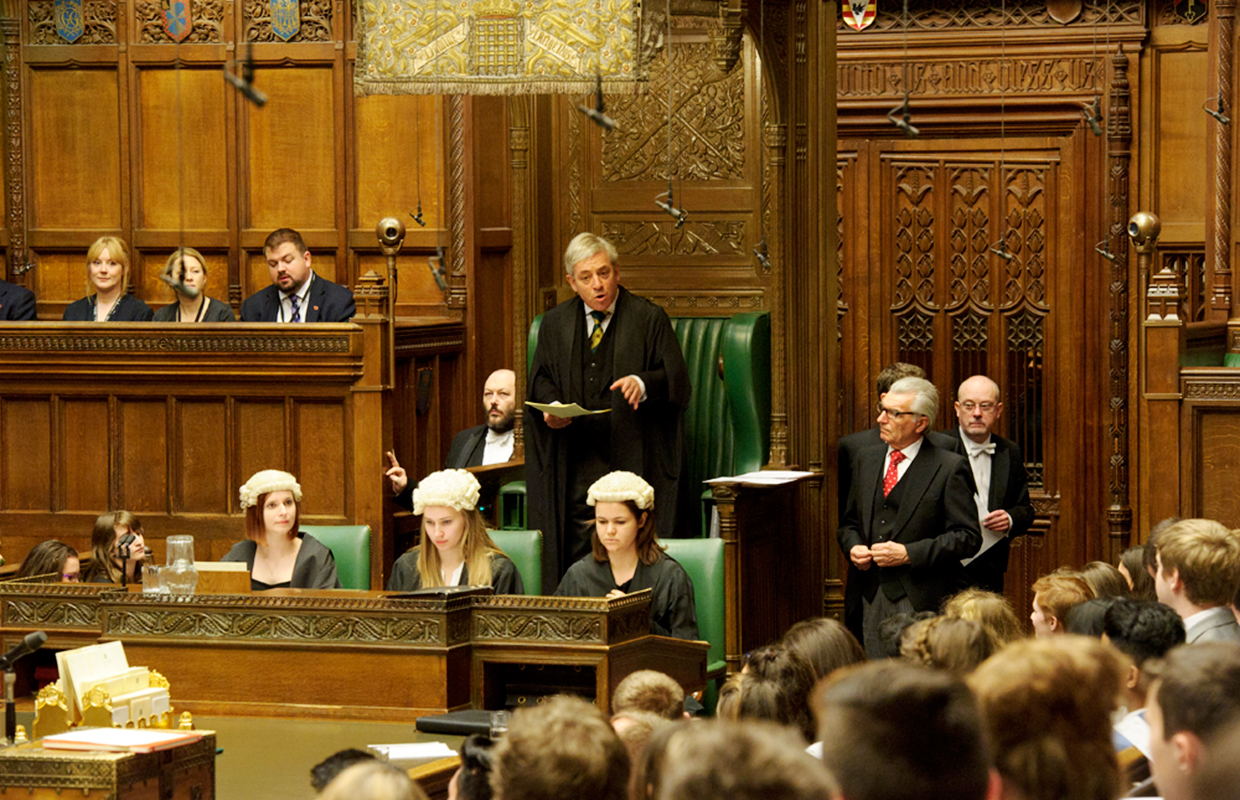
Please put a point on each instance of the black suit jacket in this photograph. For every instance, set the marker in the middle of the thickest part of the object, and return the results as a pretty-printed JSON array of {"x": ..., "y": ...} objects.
[
  {"x": 848, "y": 447},
  {"x": 467, "y": 450},
  {"x": 1009, "y": 490},
  {"x": 328, "y": 302},
  {"x": 16, "y": 302},
  {"x": 936, "y": 522}
]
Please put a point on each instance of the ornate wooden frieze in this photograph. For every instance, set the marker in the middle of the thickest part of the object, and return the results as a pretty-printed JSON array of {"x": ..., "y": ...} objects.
[
  {"x": 515, "y": 619},
  {"x": 969, "y": 77},
  {"x": 741, "y": 300},
  {"x": 1182, "y": 12},
  {"x": 14, "y": 165},
  {"x": 1044, "y": 505},
  {"x": 708, "y": 123},
  {"x": 208, "y": 22},
  {"x": 945, "y": 15},
  {"x": 532, "y": 626},
  {"x": 39, "y": 770},
  {"x": 98, "y": 21},
  {"x": 696, "y": 237},
  {"x": 430, "y": 340},
  {"x": 50, "y": 605},
  {"x": 316, "y": 22},
  {"x": 1213, "y": 388},
  {"x": 160, "y": 343}
]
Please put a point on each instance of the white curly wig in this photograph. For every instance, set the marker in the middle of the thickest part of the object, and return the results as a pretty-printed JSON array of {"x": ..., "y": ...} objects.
[
  {"x": 268, "y": 480},
  {"x": 616, "y": 487},
  {"x": 449, "y": 488}
]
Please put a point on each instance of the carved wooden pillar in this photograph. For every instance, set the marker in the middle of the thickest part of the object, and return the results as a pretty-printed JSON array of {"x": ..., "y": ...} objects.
[
  {"x": 456, "y": 181},
  {"x": 776, "y": 142},
  {"x": 1218, "y": 245},
  {"x": 14, "y": 165},
  {"x": 522, "y": 240},
  {"x": 1119, "y": 140}
]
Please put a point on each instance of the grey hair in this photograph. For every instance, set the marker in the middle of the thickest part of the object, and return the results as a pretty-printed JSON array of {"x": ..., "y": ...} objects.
[
  {"x": 585, "y": 245},
  {"x": 925, "y": 396}
]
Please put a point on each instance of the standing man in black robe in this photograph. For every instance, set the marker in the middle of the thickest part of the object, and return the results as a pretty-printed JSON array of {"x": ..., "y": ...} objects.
[{"x": 605, "y": 349}]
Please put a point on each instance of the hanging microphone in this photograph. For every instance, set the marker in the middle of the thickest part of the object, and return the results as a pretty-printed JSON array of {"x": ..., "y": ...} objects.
[
  {"x": 418, "y": 216},
  {"x": 1217, "y": 114},
  {"x": 1104, "y": 251},
  {"x": 176, "y": 279},
  {"x": 596, "y": 114},
  {"x": 1000, "y": 249},
  {"x": 1092, "y": 114},
  {"x": 904, "y": 119},
  {"x": 245, "y": 83},
  {"x": 763, "y": 254},
  {"x": 678, "y": 214},
  {"x": 435, "y": 263},
  {"x": 28, "y": 645}
]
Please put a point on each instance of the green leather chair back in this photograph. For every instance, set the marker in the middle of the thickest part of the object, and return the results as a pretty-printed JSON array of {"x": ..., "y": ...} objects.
[
  {"x": 525, "y": 550},
  {"x": 728, "y": 422},
  {"x": 703, "y": 560},
  {"x": 350, "y": 545}
]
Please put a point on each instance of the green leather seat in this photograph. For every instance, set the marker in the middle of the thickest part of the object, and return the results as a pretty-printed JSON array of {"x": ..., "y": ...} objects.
[
  {"x": 525, "y": 550},
  {"x": 350, "y": 545},
  {"x": 703, "y": 560},
  {"x": 512, "y": 506}
]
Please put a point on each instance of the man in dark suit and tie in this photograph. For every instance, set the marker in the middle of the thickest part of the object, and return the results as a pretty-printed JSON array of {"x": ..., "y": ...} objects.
[
  {"x": 910, "y": 516},
  {"x": 296, "y": 293},
  {"x": 473, "y": 447},
  {"x": 16, "y": 303},
  {"x": 999, "y": 473}
]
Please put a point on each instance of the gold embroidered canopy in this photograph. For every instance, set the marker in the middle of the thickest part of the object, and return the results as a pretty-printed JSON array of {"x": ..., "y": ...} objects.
[{"x": 497, "y": 46}]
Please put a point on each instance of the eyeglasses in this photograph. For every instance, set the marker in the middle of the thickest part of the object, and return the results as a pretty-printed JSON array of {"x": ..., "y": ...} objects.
[
  {"x": 970, "y": 406},
  {"x": 71, "y": 577},
  {"x": 895, "y": 415}
]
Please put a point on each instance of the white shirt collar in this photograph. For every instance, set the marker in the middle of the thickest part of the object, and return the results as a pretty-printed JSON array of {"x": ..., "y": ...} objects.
[
  {"x": 301, "y": 293},
  {"x": 910, "y": 452},
  {"x": 973, "y": 448}
]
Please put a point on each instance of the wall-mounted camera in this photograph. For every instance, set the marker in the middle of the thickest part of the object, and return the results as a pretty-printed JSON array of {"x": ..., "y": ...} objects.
[{"x": 1144, "y": 228}]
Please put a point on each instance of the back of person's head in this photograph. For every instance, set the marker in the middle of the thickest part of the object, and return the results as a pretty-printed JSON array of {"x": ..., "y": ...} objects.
[
  {"x": 649, "y": 690},
  {"x": 990, "y": 609},
  {"x": 825, "y": 644},
  {"x": 1104, "y": 580},
  {"x": 635, "y": 729},
  {"x": 1047, "y": 705},
  {"x": 1219, "y": 778},
  {"x": 750, "y": 761},
  {"x": 1059, "y": 591},
  {"x": 1140, "y": 581},
  {"x": 649, "y": 766},
  {"x": 891, "y": 630},
  {"x": 780, "y": 676},
  {"x": 1149, "y": 555},
  {"x": 473, "y": 781},
  {"x": 947, "y": 643},
  {"x": 895, "y": 731},
  {"x": 894, "y": 372},
  {"x": 372, "y": 780},
  {"x": 562, "y": 749},
  {"x": 1198, "y": 688},
  {"x": 1086, "y": 619},
  {"x": 1206, "y": 555},
  {"x": 323, "y": 772},
  {"x": 46, "y": 562},
  {"x": 1142, "y": 629}
]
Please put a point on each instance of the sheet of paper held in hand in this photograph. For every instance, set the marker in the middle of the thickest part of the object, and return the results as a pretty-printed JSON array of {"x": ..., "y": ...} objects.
[{"x": 564, "y": 411}]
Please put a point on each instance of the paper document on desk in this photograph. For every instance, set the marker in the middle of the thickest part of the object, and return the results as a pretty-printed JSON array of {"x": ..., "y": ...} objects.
[
  {"x": 412, "y": 751},
  {"x": 768, "y": 477},
  {"x": 119, "y": 740},
  {"x": 564, "y": 411}
]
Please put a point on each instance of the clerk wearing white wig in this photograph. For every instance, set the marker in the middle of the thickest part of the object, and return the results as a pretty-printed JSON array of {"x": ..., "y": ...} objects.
[
  {"x": 278, "y": 554},
  {"x": 453, "y": 548},
  {"x": 627, "y": 557}
]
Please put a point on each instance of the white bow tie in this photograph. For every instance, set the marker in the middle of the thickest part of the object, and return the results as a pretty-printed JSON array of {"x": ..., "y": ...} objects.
[{"x": 977, "y": 449}]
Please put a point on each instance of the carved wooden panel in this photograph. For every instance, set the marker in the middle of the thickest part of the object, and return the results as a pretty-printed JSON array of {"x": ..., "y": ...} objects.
[
  {"x": 142, "y": 447},
  {"x": 399, "y": 159},
  {"x": 321, "y": 456},
  {"x": 85, "y": 425},
  {"x": 316, "y": 22},
  {"x": 26, "y": 443},
  {"x": 74, "y": 153},
  {"x": 1181, "y": 75},
  {"x": 943, "y": 15},
  {"x": 208, "y": 22},
  {"x": 1217, "y": 444},
  {"x": 98, "y": 22},
  {"x": 200, "y": 476}
]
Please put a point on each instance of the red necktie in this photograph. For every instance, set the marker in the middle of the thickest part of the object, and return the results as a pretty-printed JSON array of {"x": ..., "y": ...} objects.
[{"x": 893, "y": 475}]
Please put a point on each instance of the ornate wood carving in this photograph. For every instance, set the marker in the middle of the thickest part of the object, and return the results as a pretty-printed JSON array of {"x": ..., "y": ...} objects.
[
  {"x": 1182, "y": 12},
  {"x": 730, "y": 38},
  {"x": 270, "y": 626},
  {"x": 749, "y": 301},
  {"x": 914, "y": 237},
  {"x": 969, "y": 263},
  {"x": 208, "y": 22},
  {"x": 775, "y": 141},
  {"x": 15, "y": 163},
  {"x": 42, "y": 771},
  {"x": 1164, "y": 294},
  {"x": 456, "y": 168},
  {"x": 943, "y": 15},
  {"x": 1218, "y": 252},
  {"x": 707, "y": 123},
  {"x": 98, "y": 20},
  {"x": 1119, "y": 138},
  {"x": 1211, "y": 390},
  {"x": 537, "y": 627},
  {"x": 720, "y": 237},
  {"x": 163, "y": 343},
  {"x": 316, "y": 22},
  {"x": 524, "y": 260},
  {"x": 574, "y": 172},
  {"x": 954, "y": 77}
]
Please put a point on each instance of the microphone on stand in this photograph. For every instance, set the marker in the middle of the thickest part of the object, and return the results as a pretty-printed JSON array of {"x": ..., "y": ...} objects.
[{"x": 28, "y": 645}]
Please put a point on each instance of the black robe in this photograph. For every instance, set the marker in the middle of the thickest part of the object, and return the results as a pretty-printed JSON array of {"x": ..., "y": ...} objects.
[
  {"x": 672, "y": 612},
  {"x": 505, "y": 578},
  {"x": 315, "y": 567},
  {"x": 648, "y": 441}
]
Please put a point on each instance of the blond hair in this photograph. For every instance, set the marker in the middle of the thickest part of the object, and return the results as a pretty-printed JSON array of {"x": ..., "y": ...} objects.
[
  {"x": 117, "y": 251},
  {"x": 476, "y": 547},
  {"x": 1206, "y": 554},
  {"x": 990, "y": 609}
]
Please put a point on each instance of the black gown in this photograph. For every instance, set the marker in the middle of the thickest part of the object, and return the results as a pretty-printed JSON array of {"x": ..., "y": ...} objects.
[
  {"x": 672, "y": 609},
  {"x": 505, "y": 578},
  {"x": 314, "y": 568}
]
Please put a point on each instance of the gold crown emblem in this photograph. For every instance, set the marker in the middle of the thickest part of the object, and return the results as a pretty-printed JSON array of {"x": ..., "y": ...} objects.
[{"x": 496, "y": 8}]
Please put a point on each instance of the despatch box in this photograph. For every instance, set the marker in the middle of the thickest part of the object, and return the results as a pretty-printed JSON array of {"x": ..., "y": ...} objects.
[{"x": 180, "y": 773}]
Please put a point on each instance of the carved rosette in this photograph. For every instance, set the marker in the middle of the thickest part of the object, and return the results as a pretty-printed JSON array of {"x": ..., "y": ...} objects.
[
  {"x": 98, "y": 20},
  {"x": 316, "y": 22},
  {"x": 208, "y": 22}
]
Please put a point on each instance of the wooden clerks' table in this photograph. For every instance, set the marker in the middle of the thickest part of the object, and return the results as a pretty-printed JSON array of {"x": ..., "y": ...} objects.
[
  {"x": 359, "y": 655},
  {"x": 186, "y": 772}
]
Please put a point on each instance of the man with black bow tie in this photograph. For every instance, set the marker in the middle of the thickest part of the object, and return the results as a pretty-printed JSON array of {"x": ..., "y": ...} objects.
[{"x": 1003, "y": 505}]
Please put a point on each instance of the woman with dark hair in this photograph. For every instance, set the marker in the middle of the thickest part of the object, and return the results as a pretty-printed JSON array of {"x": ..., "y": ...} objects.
[
  {"x": 1105, "y": 580},
  {"x": 50, "y": 562},
  {"x": 473, "y": 780},
  {"x": 110, "y": 559},
  {"x": 107, "y": 287},
  {"x": 825, "y": 644},
  {"x": 775, "y": 686},
  {"x": 1132, "y": 567},
  {"x": 627, "y": 557},
  {"x": 453, "y": 546},
  {"x": 276, "y": 552}
]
